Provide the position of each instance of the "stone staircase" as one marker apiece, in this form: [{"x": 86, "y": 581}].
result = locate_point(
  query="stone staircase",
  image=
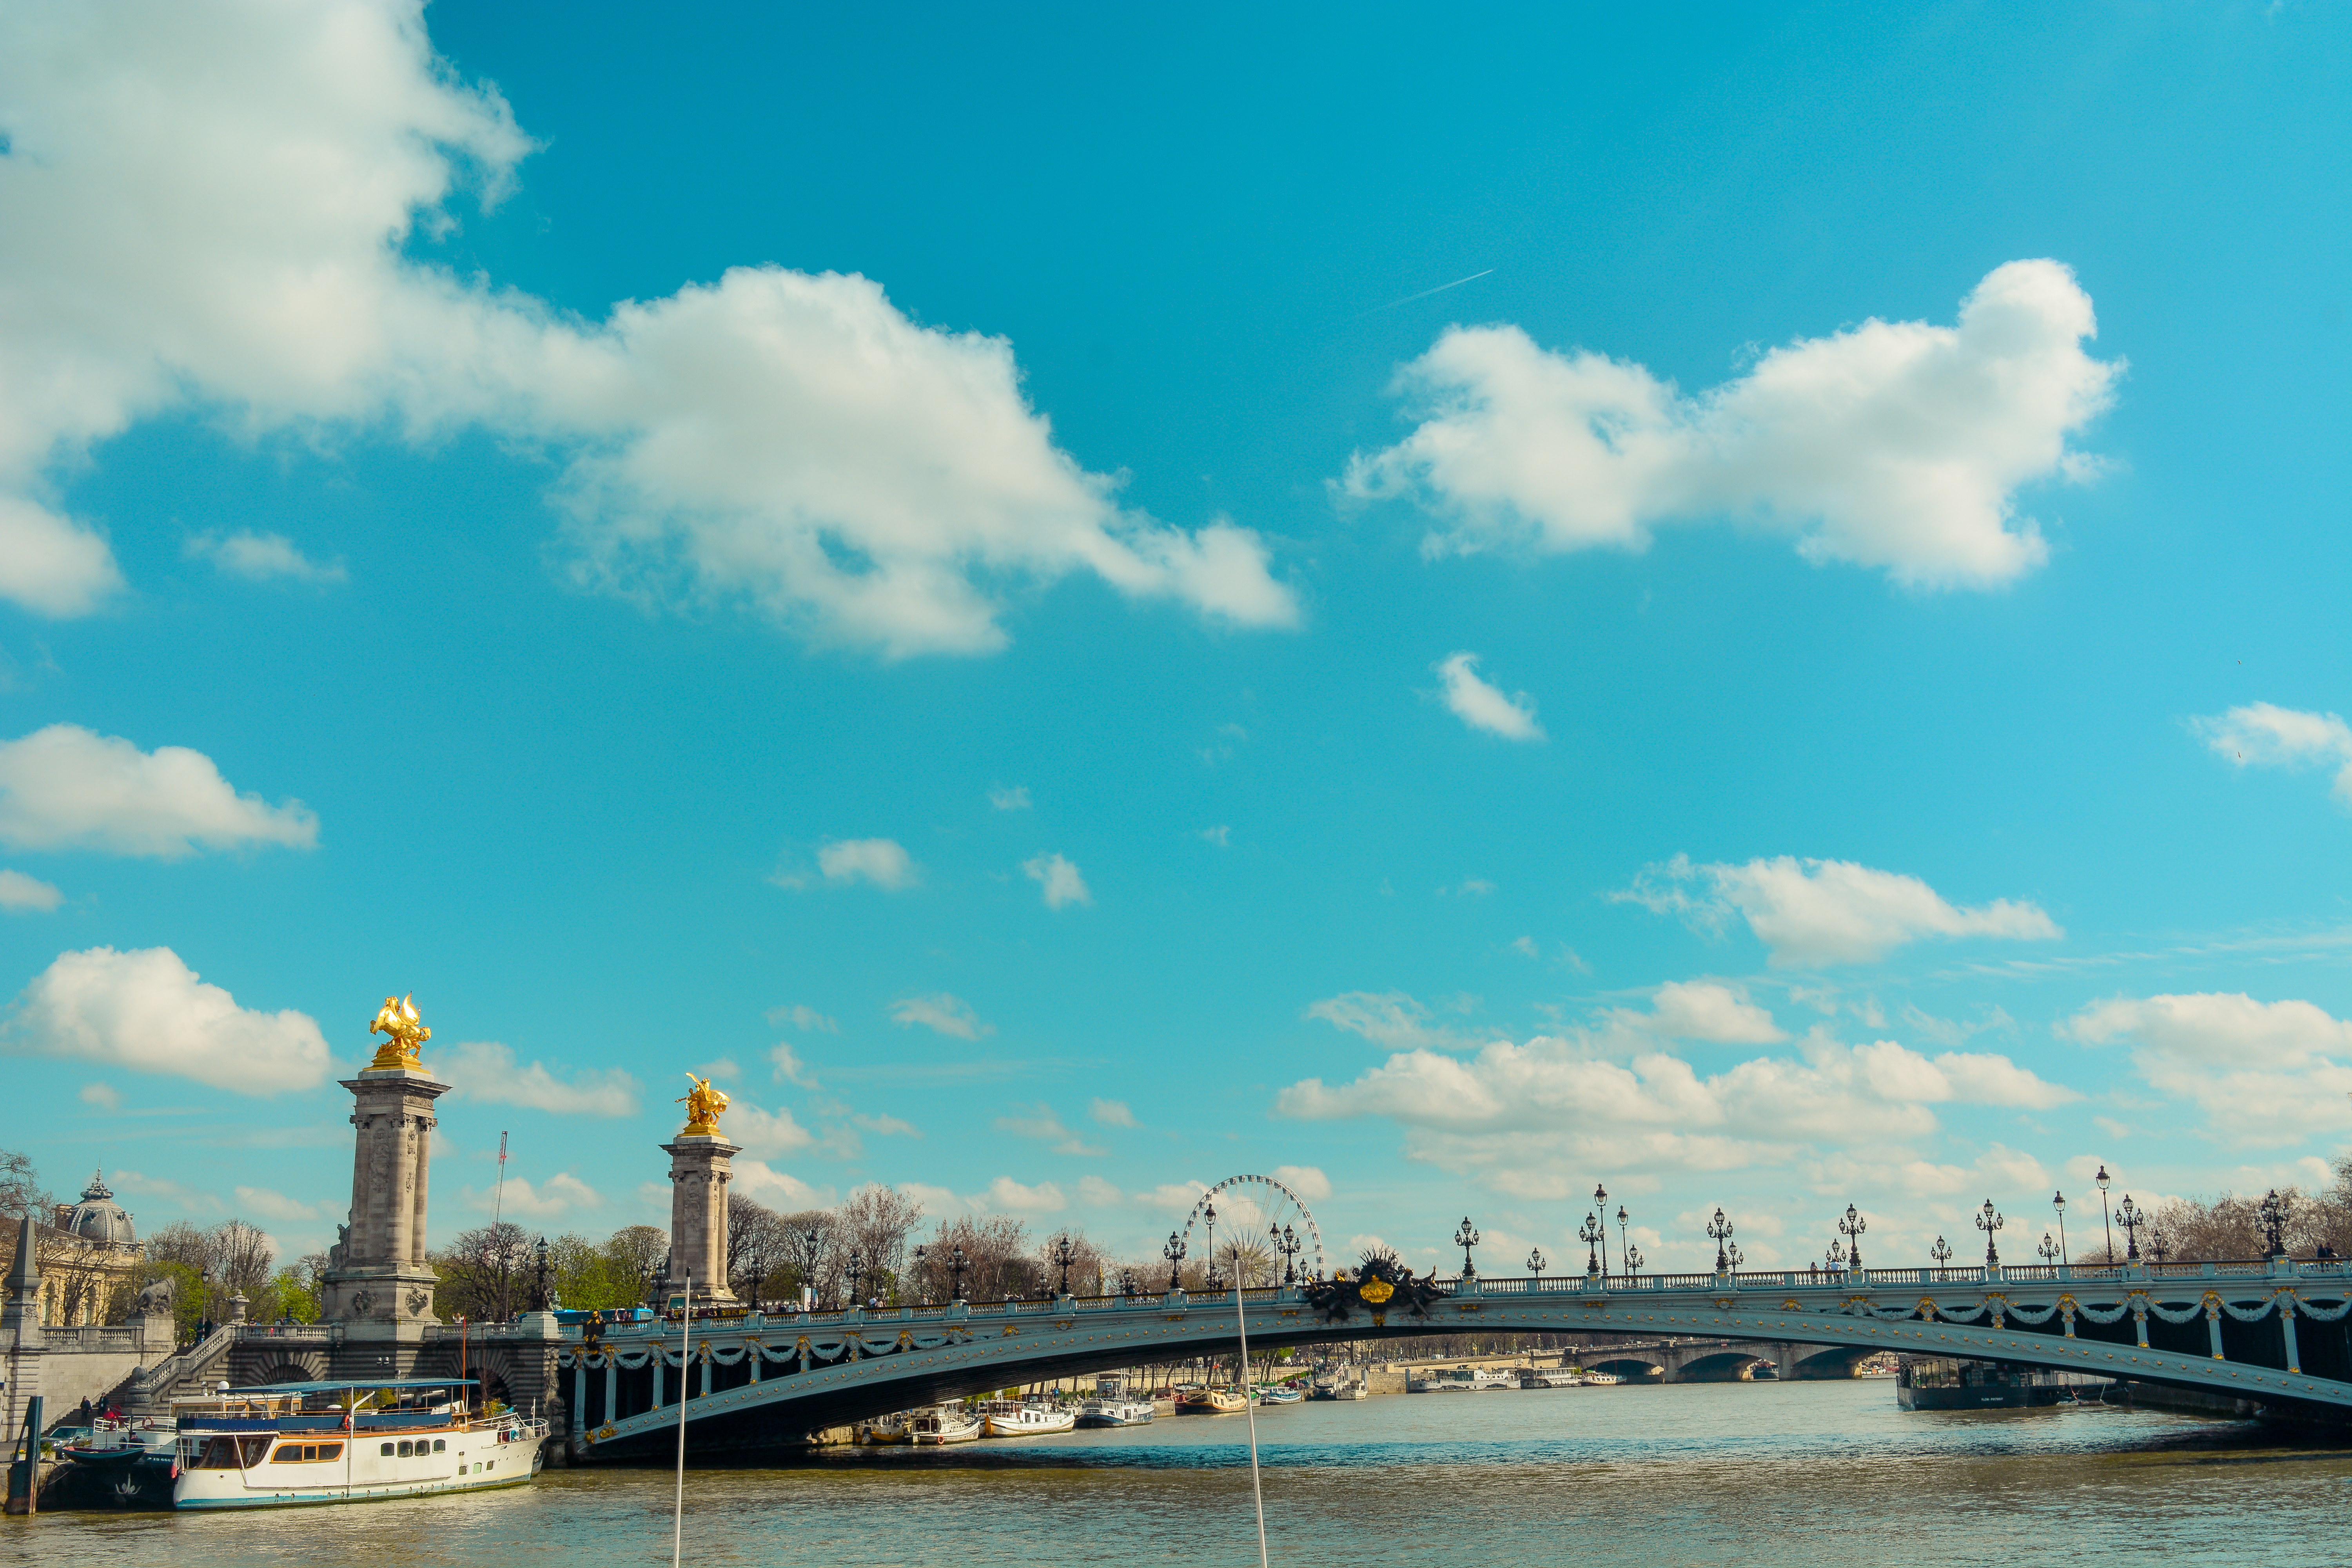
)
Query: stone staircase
[{"x": 151, "y": 1390}]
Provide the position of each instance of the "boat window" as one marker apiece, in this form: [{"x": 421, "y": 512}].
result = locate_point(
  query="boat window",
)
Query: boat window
[
  {"x": 440, "y": 1445},
  {"x": 406, "y": 1447},
  {"x": 286, "y": 1451},
  {"x": 331, "y": 1450},
  {"x": 256, "y": 1450},
  {"x": 385, "y": 1450},
  {"x": 220, "y": 1454}
]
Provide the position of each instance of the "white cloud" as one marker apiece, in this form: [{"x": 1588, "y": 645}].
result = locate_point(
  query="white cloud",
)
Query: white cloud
[
  {"x": 259, "y": 557},
  {"x": 216, "y": 211},
  {"x": 1389, "y": 1018},
  {"x": 1013, "y": 799},
  {"x": 1040, "y": 1122},
  {"x": 1095, "y": 1192},
  {"x": 270, "y": 1203},
  {"x": 1060, "y": 879},
  {"x": 886, "y": 1126},
  {"x": 943, "y": 1014},
  {"x": 20, "y": 893},
  {"x": 557, "y": 1196},
  {"x": 1826, "y": 911},
  {"x": 2255, "y": 1070},
  {"x": 1896, "y": 445},
  {"x": 763, "y": 1134},
  {"x": 1220, "y": 836},
  {"x": 1005, "y": 1193},
  {"x": 881, "y": 861},
  {"x": 1307, "y": 1181},
  {"x": 486, "y": 1071},
  {"x": 1707, "y": 1010},
  {"x": 186, "y": 1197},
  {"x": 1485, "y": 707},
  {"x": 724, "y": 1069},
  {"x": 1525, "y": 946},
  {"x": 781, "y": 1189},
  {"x": 2262, "y": 734},
  {"x": 801, "y": 1017},
  {"x": 145, "y": 1010},
  {"x": 1111, "y": 1113},
  {"x": 789, "y": 1067},
  {"x": 1519, "y": 1110},
  {"x": 63, "y": 787},
  {"x": 102, "y": 1095}
]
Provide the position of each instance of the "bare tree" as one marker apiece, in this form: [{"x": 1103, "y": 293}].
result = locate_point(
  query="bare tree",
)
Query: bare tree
[
  {"x": 755, "y": 1245},
  {"x": 241, "y": 1258},
  {"x": 1091, "y": 1270},
  {"x": 876, "y": 1222},
  {"x": 480, "y": 1271},
  {"x": 21, "y": 1192},
  {"x": 997, "y": 1262},
  {"x": 811, "y": 1251}
]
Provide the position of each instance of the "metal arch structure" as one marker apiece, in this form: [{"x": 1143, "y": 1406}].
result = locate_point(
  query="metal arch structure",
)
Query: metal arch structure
[
  {"x": 1314, "y": 1233},
  {"x": 2245, "y": 1331}
]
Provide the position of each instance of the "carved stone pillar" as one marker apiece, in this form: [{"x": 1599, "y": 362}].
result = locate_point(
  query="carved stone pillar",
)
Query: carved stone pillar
[
  {"x": 377, "y": 1283},
  {"x": 699, "y": 1174}
]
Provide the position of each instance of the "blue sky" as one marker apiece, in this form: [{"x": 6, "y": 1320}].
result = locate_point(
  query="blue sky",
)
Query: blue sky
[{"x": 1744, "y": 605}]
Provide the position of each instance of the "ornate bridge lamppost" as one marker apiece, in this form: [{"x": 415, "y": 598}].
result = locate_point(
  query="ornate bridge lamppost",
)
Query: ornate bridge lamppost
[
  {"x": 1733, "y": 1256},
  {"x": 957, "y": 1264},
  {"x": 1621, "y": 1248},
  {"x": 2274, "y": 1214},
  {"x": 1174, "y": 1253},
  {"x": 856, "y": 1273},
  {"x": 2128, "y": 1216},
  {"x": 1988, "y": 1221},
  {"x": 1286, "y": 1242},
  {"x": 1633, "y": 1260},
  {"x": 2048, "y": 1250},
  {"x": 1851, "y": 1228},
  {"x": 1465, "y": 1238},
  {"x": 1942, "y": 1253},
  {"x": 1209, "y": 1216},
  {"x": 1834, "y": 1259},
  {"x": 2107, "y": 1224},
  {"x": 2159, "y": 1246},
  {"x": 1591, "y": 1232},
  {"x": 2058, "y": 1201},
  {"x": 1127, "y": 1285},
  {"x": 920, "y": 1254},
  {"x": 538, "y": 1286},
  {"x": 1719, "y": 1229},
  {"x": 1536, "y": 1261},
  {"x": 1600, "y": 1207},
  {"x": 1065, "y": 1255}
]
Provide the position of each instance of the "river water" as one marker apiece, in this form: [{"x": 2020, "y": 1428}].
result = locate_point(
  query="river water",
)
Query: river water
[{"x": 1811, "y": 1473}]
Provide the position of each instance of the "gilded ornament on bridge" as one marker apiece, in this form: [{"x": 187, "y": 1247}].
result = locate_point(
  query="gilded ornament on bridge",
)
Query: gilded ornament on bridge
[
  {"x": 404, "y": 1035},
  {"x": 1382, "y": 1283},
  {"x": 1376, "y": 1291},
  {"x": 703, "y": 1104}
]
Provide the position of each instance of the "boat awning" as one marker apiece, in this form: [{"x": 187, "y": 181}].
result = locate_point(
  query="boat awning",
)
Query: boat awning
[{"x": 338, "y": 1386}]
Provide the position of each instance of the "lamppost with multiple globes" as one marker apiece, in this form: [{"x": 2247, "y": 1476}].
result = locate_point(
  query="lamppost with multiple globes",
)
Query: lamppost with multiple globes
[
  {"x": 1851, "y": 1228},
  {"x": 1465, "y": 1238},
  {"x": 1988, "y": 1221},
  {"x": 1600, "y": 1207},
  {"x": 1286, "y": 1242},
  {"x": 1209, "y": 1216},
  {"x": 957, "y": 1264},
  {"x": 1834, "y": 1259},
  {"x": 856, "y": 1273},
  {"x": 2128, "y": 1216},
  {"x": 1733, "y": 1256},
  {"x": 1591, "y": 1232},
  {"x": 1632, "y": 1260},
  {"x": 1536, "y": 1261},
  {"x": 2272, "y": 1210},
  {"x": 1174, "y": 1253},
  {"x": 1719, "y": 1230},
  {"x": 2049, "y": 1248},
  {"x": 1065, "y": 1254},
  {"x": 2159, "y": 1246},
  {"x": 1942, "y": 1253}
]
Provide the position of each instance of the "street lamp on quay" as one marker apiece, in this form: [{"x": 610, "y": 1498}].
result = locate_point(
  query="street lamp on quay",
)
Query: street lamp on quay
[
  {"x": 1719, "y": 1229},
  {"x": 1988, "y": 1221},
  {"x": 1591, "y": 1232},
  {"x": 2058, "y": 1201},
  {"x": 1851, "y": 1228},
  {"x": 1465, "y": 1238},
  {"x": 1600, "y": 1207},
  {"x": 2107, "y": 1224},
  {"x": 2128, "y": 1216}
]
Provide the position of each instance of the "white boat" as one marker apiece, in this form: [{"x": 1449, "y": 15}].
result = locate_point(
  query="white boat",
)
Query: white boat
[
  {"x": 1020, "y": 1418},
  {"x": 1279, "y": 1394},
  {"x": 1549, "y": 1377},
  {"x": 896, "y": 1427},
  {"x": 294, "y": 1444},
  {"x": 1462, "y": 1380},
  {"x": 1110, "y": 1406},
  {"x": 945, "y": 1424},
  {"x": 1602, "y": 1379}
]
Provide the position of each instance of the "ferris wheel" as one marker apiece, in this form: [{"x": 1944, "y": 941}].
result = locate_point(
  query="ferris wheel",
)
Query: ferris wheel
[{"x": 1256, "y": 1230}]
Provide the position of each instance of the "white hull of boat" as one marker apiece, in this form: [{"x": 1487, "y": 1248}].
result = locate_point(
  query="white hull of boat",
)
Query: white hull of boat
[{"x": 469, "y": 1462}]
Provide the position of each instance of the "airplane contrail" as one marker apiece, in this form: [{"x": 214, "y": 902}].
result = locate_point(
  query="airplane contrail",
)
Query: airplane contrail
[{"x": 1424, "y": 294}]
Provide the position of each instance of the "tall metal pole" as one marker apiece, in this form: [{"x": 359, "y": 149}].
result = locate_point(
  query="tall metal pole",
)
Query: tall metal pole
[
  {"x": 684, "y": 1369},
  {"x": 1249, "y": 1403},
  {"x": 497, "y": 1206}
]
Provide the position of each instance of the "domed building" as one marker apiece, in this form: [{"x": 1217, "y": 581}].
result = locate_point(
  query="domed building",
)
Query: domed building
[{"x": 89, "y": 1255}]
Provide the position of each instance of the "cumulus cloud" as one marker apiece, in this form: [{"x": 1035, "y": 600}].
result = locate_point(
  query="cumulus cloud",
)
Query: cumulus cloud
[
  {"x": 1707, "y": 1010},
  {"x": 778, "y": 1189},
  {"x": 1040, "y": 1122},
  {"x": 1111, "y": 1113},
  {"x": 1389, "y": 1018},
  {"x": 1485, "y": 707},
  {"x": 1095, "y": 1192},
  {"x": 1826, "y": 911},
  {"x": 20, "y": 894},
  {"x": 63, "y": 787},
  {"x": 1008, "y": 1194},
  {"x": 271, "y": 1204},
  {"x": 1894, "y": 445},
  {"x": 884, "y": 862},
  {"x": 217, "y": 210},
  {"x": 559, "y": 1194},
  {"x": 2263, "y": 735},
  {"x": 145, "y": 1010},
  {"x": 886, "y": 1126},
  {"x": 105, "y": 1095},
  {"x": 1060, "y": 879},
  {"x": 764, "y": 1134},
  {"x": 486, "y": 1070},
  {"x": 260, "y": 557},
  {"x": 1555, "y": 1095},
  {"x": 2254, "y": 1069},
  {"x": 1013, "y": 799},
  {"x": 943, "y": 1014},
  {"x": 1307, "y": 1181},
  {"x": 789, "y": 1067},
  {"x": 801, "y": 1017}
]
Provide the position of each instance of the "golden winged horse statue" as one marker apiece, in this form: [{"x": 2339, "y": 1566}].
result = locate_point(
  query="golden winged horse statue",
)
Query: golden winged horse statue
[
  {"x": 703, "y": 1104},
  {"x": 404, "y": 1036}
]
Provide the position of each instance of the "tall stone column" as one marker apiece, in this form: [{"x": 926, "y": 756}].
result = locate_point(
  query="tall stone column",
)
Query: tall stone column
[
  {"x": 377, "y": 1283},
  {"x": 22, "y": 1342},
  {"x": 698, "y": 1173}
]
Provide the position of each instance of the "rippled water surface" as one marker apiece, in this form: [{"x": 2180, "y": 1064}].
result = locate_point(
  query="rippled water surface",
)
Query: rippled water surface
[{"x": 1825, "y": 1474}]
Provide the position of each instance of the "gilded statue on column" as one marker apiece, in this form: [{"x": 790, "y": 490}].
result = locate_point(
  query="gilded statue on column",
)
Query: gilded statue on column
[
  {"x": 703, "y": 1104},
  {"x": 404, "y": 1036}
]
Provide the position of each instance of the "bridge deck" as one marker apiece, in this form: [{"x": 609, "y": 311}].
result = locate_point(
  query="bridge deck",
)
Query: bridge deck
[{"x": 2272, "y": 1330}]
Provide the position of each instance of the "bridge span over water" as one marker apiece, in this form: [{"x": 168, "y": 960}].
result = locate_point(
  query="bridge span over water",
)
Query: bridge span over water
[{"x": 2273, "y": 1331}]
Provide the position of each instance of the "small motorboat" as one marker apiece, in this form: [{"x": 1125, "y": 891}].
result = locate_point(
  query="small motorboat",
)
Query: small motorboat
[
  {"x": 1212, "y": 1402},
  {"x": 1280, "y": 1394},
  {"x": 1549, "y": 1377},
  {"x": 944, "y": 1424},
  {"x": 1111, "y": 1407},
  {"x": 883, "y": 1430},
  {"x": 1602, "y": 1379},
  {"x": 1023, "y": 1418},
  {"x": 1462, "y": 1380}
]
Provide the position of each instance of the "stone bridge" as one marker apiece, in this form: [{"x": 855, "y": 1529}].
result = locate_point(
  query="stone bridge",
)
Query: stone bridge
[
  {"x": 2271, "y": 1330},
  {"x": 1720, "y": 1361}
]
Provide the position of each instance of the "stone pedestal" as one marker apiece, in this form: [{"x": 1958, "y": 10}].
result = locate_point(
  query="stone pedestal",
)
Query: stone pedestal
[
  {"x": 377, "y": 1282},
  {"x": 698, "y": 1173},
  {"x": 22, "y": 1342}
]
